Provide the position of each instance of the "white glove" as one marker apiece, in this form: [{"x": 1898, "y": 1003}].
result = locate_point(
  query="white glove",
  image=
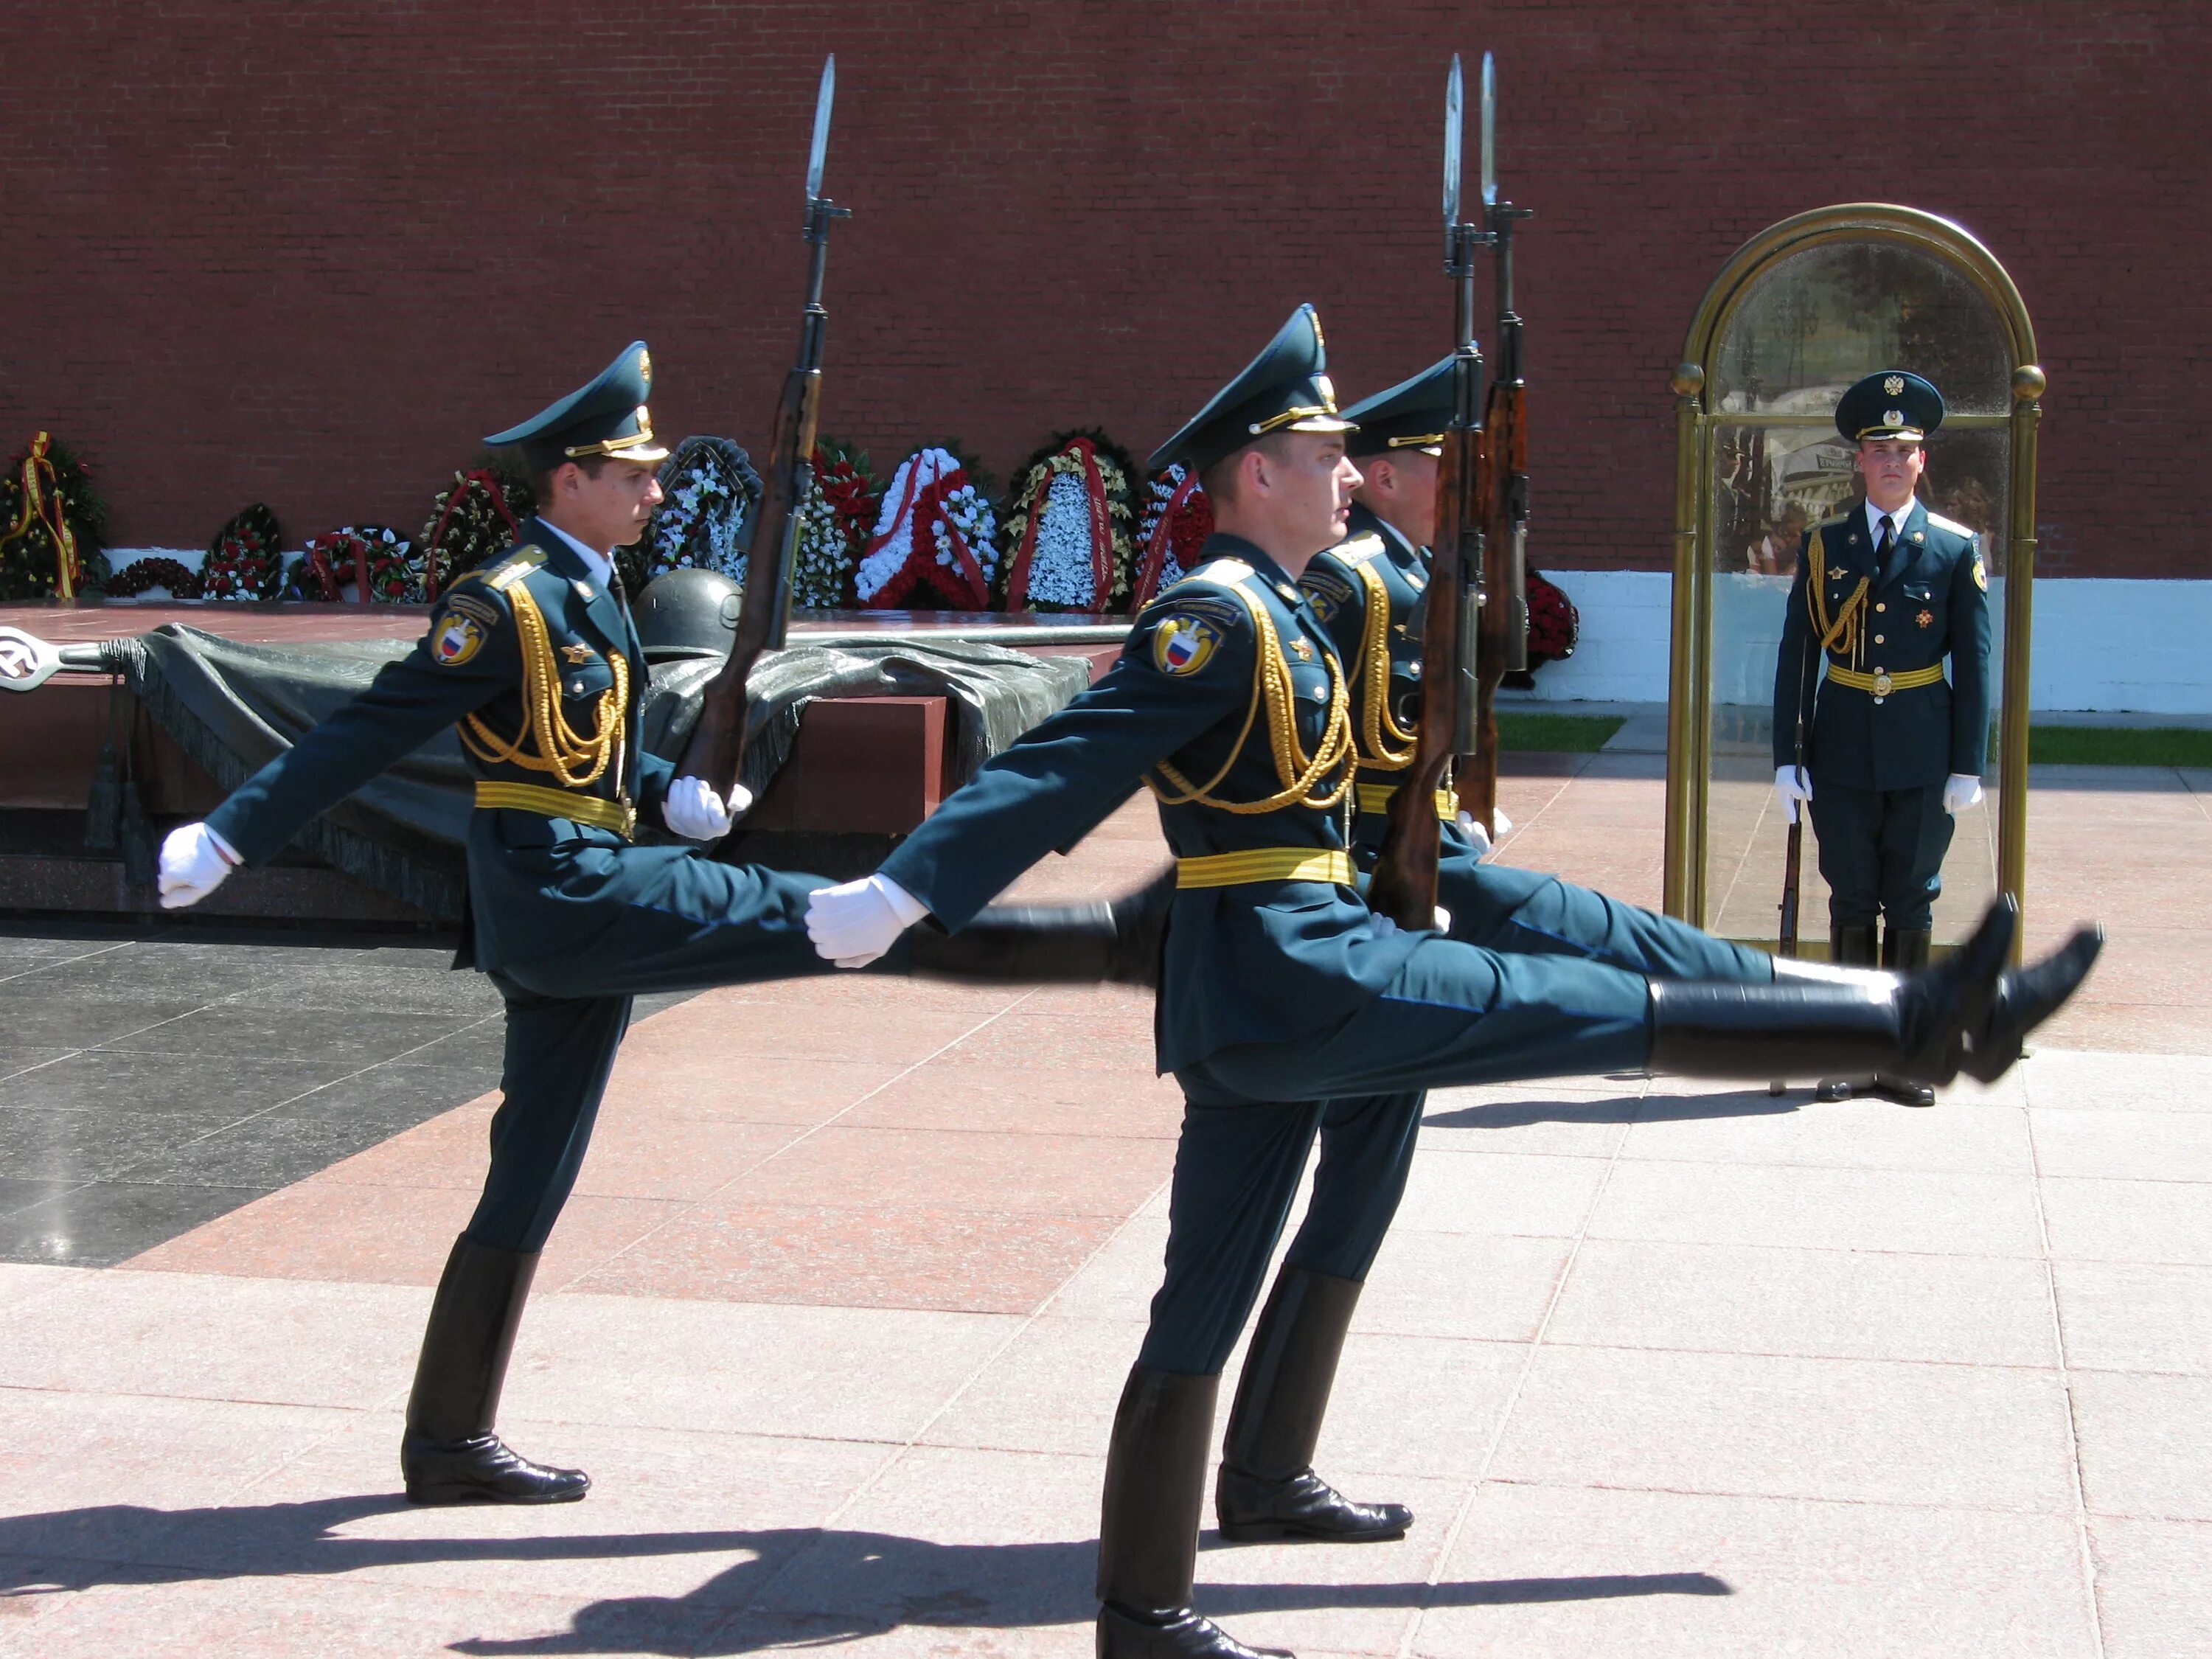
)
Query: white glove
[
  {"x": 1960, "y": 791},
  {"x": 194, "y": 861},
  {"x": 854, "y": 923},
  {"x": 695, "y": 812},
  {"x": 1792, "y": 784},
  {"x": 1443, "y": 919},
  {"x": 1471, "y": 827}
]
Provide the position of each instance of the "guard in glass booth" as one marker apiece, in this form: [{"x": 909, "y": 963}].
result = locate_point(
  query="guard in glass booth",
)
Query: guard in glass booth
[{"x": 1888, "y": 750}]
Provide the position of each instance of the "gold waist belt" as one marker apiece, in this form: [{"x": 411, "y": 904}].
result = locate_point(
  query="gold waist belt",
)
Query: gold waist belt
[
  {"x": 1375, "y": 797},
  {"x": 560, "y": 803},
  {"x": 1257, "y": 864},
  {"x": 1881, "y": 682}
]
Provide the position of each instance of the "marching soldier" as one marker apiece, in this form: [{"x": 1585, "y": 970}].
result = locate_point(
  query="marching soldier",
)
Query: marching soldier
[
  {"x": 1891, "y": 750},
  {"x": 533, "y": 659},
  {"x": 1284, "y": 997}
]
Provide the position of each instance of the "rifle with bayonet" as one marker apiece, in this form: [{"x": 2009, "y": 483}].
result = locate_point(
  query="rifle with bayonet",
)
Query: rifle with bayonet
[
  {"x": 1505, "y": 524},
  {"x": 1404, "y": 887},
  {"x": 716, "y": 750}
]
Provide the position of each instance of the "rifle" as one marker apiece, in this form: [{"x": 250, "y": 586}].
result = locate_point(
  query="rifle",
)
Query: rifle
[
  {"x": 716, "y": 750},
  {"x": 1506, "y": 561},
  {"x": 1793, "y": 855},
  {"x": 1404, "y": 886}
]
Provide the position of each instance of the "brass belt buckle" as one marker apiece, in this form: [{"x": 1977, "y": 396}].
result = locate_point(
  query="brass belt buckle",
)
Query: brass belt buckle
[{"x": 1883, "y": 682}]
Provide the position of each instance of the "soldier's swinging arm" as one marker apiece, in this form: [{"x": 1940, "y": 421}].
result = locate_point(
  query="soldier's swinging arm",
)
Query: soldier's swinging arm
[{"x": 717, "y": 746}]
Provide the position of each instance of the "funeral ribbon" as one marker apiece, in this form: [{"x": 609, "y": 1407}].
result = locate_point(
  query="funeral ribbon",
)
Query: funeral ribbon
[
  {"x": 1078, "y": 456},
  {"x": 43, "y": 505},
  {"x": 1156, "y": 550}
]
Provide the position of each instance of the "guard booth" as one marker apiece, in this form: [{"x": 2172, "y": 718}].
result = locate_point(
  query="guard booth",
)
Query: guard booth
[{"x": 1799, "y": 312}]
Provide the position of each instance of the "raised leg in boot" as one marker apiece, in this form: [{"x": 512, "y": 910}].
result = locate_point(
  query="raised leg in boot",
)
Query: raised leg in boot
[
  {"x": 1117, "y": 942},
  {"x": 1849, "y": 946},
  {"x": 1148, "y": 1524},
  {"x": 449, "y": 1454},
  {"x": 1267, "y": 1488},
  {"x": 1903, "y": 951}
]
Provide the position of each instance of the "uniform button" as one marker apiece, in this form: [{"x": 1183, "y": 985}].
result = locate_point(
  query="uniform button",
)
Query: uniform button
[
  {"x": 1881, "y": 607},
  {"x": 1877, "y": 639}
]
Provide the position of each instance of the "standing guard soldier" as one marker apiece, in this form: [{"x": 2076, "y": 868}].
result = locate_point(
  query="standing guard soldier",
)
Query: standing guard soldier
[
  {"x": 1284, "y": 998},
  {"x": 1890, "y": 750},
  {"x": 534, "y": 660}
]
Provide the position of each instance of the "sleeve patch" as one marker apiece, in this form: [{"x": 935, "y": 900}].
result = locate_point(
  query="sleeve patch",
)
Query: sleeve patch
[
  {"x": 469, "y": 605},
  {"x": 1183, "y": 642},
  {"x": 457, "y": 639},
  {"x": 1327, "y": 590},
  {"x": 1981, "y": 574}
]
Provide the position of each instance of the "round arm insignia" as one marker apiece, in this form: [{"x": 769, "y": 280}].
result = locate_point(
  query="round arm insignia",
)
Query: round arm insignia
[
  {"x": 1981, "y": 575},
  {"x": 1183, "y": 644},
  {"x": 458, "y": 639}
]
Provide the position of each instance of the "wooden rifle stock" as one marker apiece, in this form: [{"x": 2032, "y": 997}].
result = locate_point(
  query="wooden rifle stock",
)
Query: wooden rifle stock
[
  {"x": 1505, "y": 517},
  {"x": 1793, "y": 859},
  {"x": 716, "y": 750}
]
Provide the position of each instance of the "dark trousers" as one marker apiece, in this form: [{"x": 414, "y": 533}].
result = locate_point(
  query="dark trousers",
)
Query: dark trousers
[
  {"x": 1881, "y": 852},
  {"x": 1559, "y": 984},
  {"x": 684, "y": 924}
]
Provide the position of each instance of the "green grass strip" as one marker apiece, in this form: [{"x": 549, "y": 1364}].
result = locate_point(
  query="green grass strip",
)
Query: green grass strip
[
  {"x": 2118, "y": 746},
  {"x": 1555, "y": 734}
]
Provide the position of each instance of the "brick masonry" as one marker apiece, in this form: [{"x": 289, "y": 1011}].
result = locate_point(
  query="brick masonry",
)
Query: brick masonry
[{"x": 306, "y": 253}]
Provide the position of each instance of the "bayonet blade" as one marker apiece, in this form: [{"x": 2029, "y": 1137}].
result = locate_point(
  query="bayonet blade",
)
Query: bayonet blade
[
  {"x": 1452, "y": 145},
  {"x": 1489, "y": 131},
  {"x": 823, "y": 101}
]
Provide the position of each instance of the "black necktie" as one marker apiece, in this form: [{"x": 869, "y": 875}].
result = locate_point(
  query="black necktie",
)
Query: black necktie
[{"x": 1882, "y": 553}]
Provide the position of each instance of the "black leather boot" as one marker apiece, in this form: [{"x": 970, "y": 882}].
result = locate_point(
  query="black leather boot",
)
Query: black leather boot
[
  {"x": 1903, "y": 951},
  {"x": 1848, "y": 947},
  {"x": 1148, "y": 1524},
  {"x": 449, "y": 1454},
  {"x": 1267, "y": 1488},
  {"x": 1117, "y": 942},
  {"x": 2025, "y": 998}
]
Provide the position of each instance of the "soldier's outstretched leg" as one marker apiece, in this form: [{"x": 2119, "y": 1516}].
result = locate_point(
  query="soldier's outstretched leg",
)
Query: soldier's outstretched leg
[
  {"x": 1850, "y": 945},
  {"x": 559, "y": 1053},
  {"x": 1267, "y": 1487},
  {"x": 1501, "y": 907},
  {"x": 1116, "y": 942}
]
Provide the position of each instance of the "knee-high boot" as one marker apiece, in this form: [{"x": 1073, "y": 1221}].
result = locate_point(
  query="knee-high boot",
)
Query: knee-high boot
[
  {"x": 449, "y": 1454},
  {"x": 1267, "y": 1487},
  {"x": 1148, "y": 1524},
  {"x": 1966, "y": 1013},
  {"x": 1903, "y": 951},
  {"x": 1117, "y": 941},
  {"x": 1848, "y": 947}
]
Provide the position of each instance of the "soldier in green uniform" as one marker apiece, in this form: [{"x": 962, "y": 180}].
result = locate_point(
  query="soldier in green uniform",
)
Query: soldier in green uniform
[
  {"x": 1892, "y": 749},
  {"x": 1282, "y": 996},
  {"x": 533, "y": 659}
]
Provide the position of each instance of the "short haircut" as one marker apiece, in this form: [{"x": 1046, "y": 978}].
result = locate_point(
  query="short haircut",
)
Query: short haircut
[
  {"x": 1218, "y": 480},
  {"x": 541, "y": 483}
]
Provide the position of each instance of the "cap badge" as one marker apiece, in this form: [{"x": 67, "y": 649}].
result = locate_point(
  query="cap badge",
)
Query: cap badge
[
  {"x": 1893, "y": 386},
  {"x": 1893, "y": 417},
  {"x": 1327, "y": 388},
  {"x": 645, "y": 370}
]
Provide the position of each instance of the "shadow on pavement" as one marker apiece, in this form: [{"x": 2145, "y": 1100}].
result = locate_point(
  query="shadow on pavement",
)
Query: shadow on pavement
[
  {"x": 1626, "y": 1108},
  {"x": 880, "y": 1581}
]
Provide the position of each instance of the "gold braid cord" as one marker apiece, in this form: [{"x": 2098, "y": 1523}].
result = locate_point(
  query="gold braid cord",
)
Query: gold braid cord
[
  {"x": 1846, "y": 632},
  {"x": 547, "y": 743},
  {"x": 1299, "y": 775},
  {"x": 1378, "y": 731}
]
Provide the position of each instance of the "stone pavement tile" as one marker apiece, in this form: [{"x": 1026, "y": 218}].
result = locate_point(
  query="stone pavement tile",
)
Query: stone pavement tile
[
  {"x": 919, "y": 1256},
  {"x": 727, "y": 1368},
  {"x": 700, "y": 1518},
  {"x": 263, "y": 1152},
  {"x": 734, "y": 1007},
  {"x": 1867, "y": 1134},
  {"x": 652, "y": 1155},
  {"x": 38, "y": 1144},
  {"x": 1844, "y": 1304},
  {"x": 1480, "y": 1286},
  {"x": 2073, "y": 1080},
  {"x": 1003, "y": 1541},
  {"x": 2128, "y": 1316},
  {"x": 330, "y": 1230},
  {"x": 1416, "y": 1406},
  {"x": 1318, "y": 1600},
  {"x": 232, "y": 1085},
  {"x": 215, "y": 1338},
  {"x": 28, "y": 953},
  {"x": 1053, "y": 1388},
  {"x": 934, "y": 1636},
  {"x": 341, "y": 1619},
  {"x": 16, "y": 1061},
  {"x": 1056, "y": 1175},
  {"x": 2154, "y": 1585},
  {"x": 2118, "y": 1144},
  {"x": 34, "y": 1019},
  {"x": 19, "y": 1193},
  {"x": 1544, "y": 1117},
  {"x": 698, "y": 1083},
  {"x": 1117, "y": 1283},
  {"x": 1022, "y": 1042},
  {"x": 2168, "y": 1221},
  {"x": 1454, "y": 1192},
  {"x": 22, "y": 1283},
  {"x": 144, "y": 969},
  {"x": 470, "y": 1049},
  {"x": 451, "y": 1150},
  {"x": 2146, "y": 1445},
  {"x": 1546, "y": 1570},
  {"x": 394, "y": 1095},
  {"x": 939, "y": 1096},
  {"x": 107, "y": 1222},
  {"x": 1810, "y": 1208},
  {"x": 830, "y": 1031},
  {"x": 340, "y": 1039},
  {"x": 1852, "y": 1430}
]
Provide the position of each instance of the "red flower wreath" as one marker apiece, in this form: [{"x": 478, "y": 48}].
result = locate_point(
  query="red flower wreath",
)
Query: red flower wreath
[{"x": 1177, "y": 521}]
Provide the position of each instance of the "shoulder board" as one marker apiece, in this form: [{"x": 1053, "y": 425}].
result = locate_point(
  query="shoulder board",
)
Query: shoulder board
[
  {"x": 1217, "y": 570},
  {"x": 1358, "y": 550},
  {"x": 1951, "y": 525},
  {"x": 1830, "y": 524},
  {"x": 514, "y": 568}
]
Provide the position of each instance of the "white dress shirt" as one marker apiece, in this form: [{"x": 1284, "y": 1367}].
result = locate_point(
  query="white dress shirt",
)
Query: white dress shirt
[{"x": 1875, "y": 516}]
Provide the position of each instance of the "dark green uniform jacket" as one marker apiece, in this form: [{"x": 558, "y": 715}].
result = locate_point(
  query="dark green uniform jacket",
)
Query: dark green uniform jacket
[
  {"x": 1931, "y": 603},
  {"x": 531, "y": 639},
  {"x": 1189, "y": 708}
]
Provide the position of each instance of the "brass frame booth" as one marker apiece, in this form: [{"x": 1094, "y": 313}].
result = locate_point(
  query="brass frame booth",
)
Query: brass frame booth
[{"x": 1799, "y": 311}]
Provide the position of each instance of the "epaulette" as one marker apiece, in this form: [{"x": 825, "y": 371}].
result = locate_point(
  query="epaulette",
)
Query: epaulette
[
  {"x": 1830, "y": 524},
  {"x": 1357, "y": 550},
  {"x": 1218, "y": 570},
  {"x": 514, "y": 568},
  {"x": 1952, "y": 525}
]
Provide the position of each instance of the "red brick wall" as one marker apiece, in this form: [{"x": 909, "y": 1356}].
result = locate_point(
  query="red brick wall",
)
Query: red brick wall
[{"x": 308, "y": 252}]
